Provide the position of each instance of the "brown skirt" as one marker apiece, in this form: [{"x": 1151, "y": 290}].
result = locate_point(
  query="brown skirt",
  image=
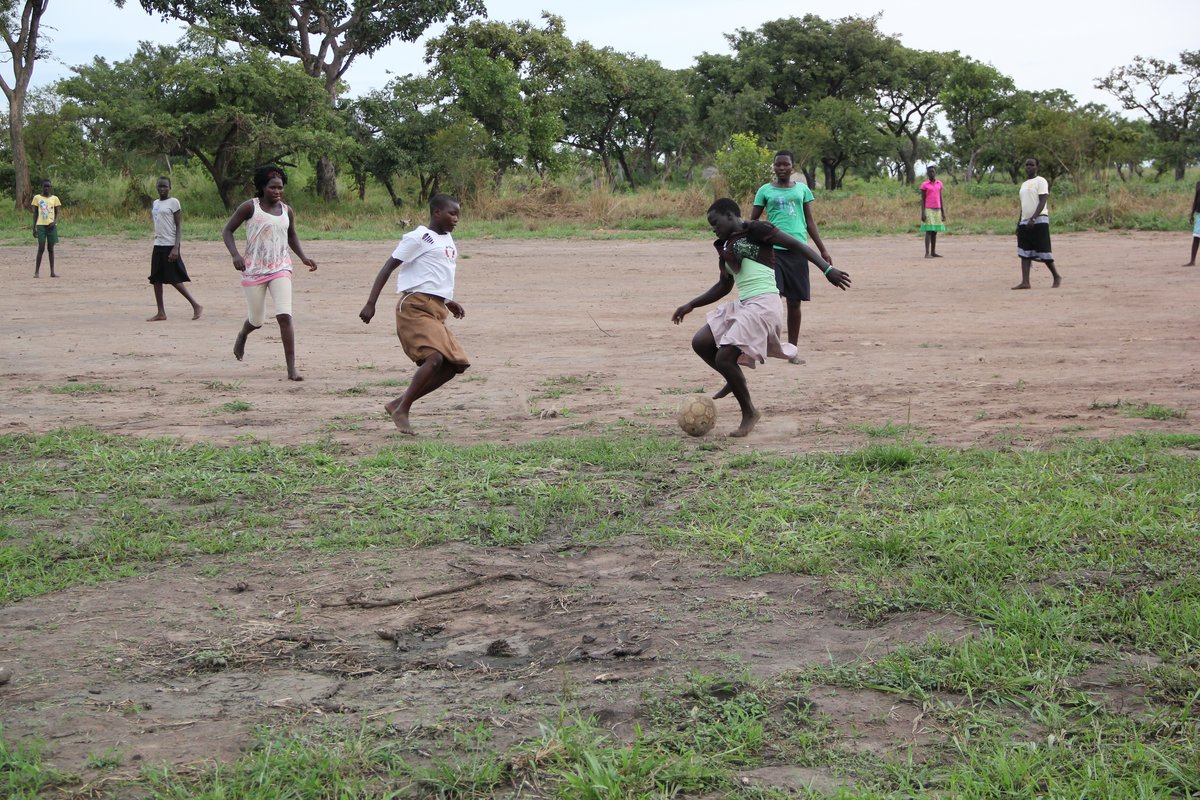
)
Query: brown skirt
[{"x": 421, "y": 326}]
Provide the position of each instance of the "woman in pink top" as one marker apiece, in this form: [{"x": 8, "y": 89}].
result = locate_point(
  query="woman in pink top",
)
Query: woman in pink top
[
  {"x": 267, "y": 265},
  {"x": 933, "y": 212}
]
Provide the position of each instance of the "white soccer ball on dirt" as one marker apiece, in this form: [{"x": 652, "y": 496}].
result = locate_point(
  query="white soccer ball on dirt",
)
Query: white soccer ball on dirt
[{"x": 697, "y": 414}]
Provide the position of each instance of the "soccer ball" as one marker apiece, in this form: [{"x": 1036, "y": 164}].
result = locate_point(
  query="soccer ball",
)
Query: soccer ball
[{"x": 697, "y": 414}]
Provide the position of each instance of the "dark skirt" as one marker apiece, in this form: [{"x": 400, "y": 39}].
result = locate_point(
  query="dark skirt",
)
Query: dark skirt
[
  {"x": 1033, "y": 241},
  {"x": 163, "y": 270},
  {"x": 791, "y": 275}
]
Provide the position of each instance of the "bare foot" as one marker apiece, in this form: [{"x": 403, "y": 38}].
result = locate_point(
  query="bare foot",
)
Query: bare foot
[
  {"x": 748, "y": 423},
  {"x": 295, "y": 376},
  {"x": 159, "y": 317},
  {"x": 928, "y": 256},
  {"x": 400, "y": 420},
  {"x": 1188, "y": 264},
  {"x": 1021, "y": 286},
  {"x": 239, "y": 346},
  {"x": 935, "y": 255},
  {"x": 53, "y": 274},
  {"x": 796, "y": 360},
  {"x": 1057, "y": 282},
  {"x": 197, "y": 311},
  {"x": 722, "y": 392}
]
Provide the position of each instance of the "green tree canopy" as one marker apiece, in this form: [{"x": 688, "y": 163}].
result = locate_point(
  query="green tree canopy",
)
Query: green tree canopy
[
  {"x": 230, "y": 110},
  {"x": 325, "y": 36},
  {"x": 1168, "y": 94}
]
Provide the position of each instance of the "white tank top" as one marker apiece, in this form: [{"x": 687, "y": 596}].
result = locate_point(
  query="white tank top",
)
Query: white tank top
[{"x": 266, "y": 244}]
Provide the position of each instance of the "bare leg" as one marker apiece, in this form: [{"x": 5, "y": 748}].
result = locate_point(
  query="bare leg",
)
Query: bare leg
[
  {"x": 239, "y": 344},
  {"x": 196, "y": 307},
  {"x": 725, "y": 361},
  {"x": 287, "y": 333},
  {"x": 50, "y": 255},
  {"x": 1024, "y": 284},
  {"x": 928, "y": 234},
  {"x": 1054, "y": 272},
  {"x": 1195, "y": 247},
  {"x": 158, "y": 300},
  {"x": 37, "y": 265},
  {"x": 435, "y": 372},
  {"x": 793, "y": 327},
  {"x": 933, "y": 253}
]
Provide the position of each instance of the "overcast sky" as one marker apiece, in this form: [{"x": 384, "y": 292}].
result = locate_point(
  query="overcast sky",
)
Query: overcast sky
[{"x": 1054, "y": 44}]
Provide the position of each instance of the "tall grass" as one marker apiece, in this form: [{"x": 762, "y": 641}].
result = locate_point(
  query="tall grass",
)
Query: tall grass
[{"x": 528, "y": 207}]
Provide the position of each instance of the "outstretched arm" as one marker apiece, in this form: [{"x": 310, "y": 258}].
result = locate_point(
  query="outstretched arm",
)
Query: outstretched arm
[
  {"x": 714, "y": 293},
  {"x": 834, "y": 275},
  {"x": 813, "y": 234},
  {"x": 294, "y": 242},
  {"x": 381, "y": 279}
]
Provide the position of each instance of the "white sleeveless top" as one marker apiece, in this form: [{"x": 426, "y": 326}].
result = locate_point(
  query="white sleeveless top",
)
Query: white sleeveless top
[{"x": 267, "y": 252}]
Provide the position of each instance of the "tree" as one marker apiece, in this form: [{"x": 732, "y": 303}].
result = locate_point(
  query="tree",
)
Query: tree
[
  {"x": 20, "y": 31},
  {"x": 326, "y": 36},
  {"x": 1169, "y": 95},
  {"x": 228, "y": 110},
  {"x": 975, "y": 99},
  {"x": 745, "y": 165},
  {"x": 794, "y": 63},
  {"x": 506, "y": 78},
  {"x": 838, "y": 134},
  {"x": 397, "y": 128},
  {"x": 908, "y": 96}
]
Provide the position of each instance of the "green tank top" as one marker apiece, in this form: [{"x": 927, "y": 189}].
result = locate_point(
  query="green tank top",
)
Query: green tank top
[{"x": 753, "y": 279}]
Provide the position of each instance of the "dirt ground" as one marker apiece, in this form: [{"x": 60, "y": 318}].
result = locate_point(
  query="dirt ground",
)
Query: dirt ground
[{"x": 566, "y": 338}]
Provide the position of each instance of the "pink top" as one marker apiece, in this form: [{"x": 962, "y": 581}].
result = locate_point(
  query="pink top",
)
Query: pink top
[{"x": 933, "y": 193}]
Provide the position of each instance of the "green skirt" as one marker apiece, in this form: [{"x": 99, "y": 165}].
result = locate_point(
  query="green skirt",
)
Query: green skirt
[{"x": 933, "y": 220}]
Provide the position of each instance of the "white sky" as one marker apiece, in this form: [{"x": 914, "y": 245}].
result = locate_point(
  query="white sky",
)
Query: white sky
[{"x": 1063, "y": 44}]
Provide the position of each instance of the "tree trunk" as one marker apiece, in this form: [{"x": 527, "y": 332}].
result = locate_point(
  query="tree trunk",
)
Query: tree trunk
[
  {"x": 326, "y": 179},
  {"x": 22, "y": 190},
  {"x": 22, "y": 47},
  {"x": 1180, "y": 169}
]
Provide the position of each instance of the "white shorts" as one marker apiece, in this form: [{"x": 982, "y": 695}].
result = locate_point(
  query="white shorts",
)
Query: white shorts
[{"x": 256, "y": 299}]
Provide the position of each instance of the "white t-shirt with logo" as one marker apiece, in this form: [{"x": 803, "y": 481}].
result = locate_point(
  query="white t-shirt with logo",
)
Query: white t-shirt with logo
[{"x": 428, "y": 260}]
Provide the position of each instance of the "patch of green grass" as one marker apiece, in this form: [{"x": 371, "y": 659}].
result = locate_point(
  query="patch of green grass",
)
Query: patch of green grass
[
  {"x": 1152, "y": 411},
  {"x": 81, "y": 388},
  {"x": 24, "y": 775},
  {"x": 1055, "y": 561},
  {"x": 232, "y": 407},
  {"x": 1140, "y": 410}
]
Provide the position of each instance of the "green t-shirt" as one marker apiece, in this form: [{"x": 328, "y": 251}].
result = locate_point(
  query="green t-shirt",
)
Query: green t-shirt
[{"x": 785, "y": 208}]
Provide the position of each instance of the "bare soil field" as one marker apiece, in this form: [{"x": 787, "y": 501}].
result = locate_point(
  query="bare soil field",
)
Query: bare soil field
[
  {"x": 575, "y": 336},
  {"x": 567, "y": 338}
]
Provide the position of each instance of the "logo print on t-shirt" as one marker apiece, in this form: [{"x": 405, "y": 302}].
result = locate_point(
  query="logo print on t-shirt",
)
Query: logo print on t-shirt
[{"x": 451, "y": 253}]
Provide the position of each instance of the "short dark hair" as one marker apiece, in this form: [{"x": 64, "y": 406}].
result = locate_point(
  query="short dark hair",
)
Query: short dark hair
[
  {"x": 726, "y": 205},
  {"x": 1035, "y": 160},
  {"x": 791, "y": 156},
  {"x": 263, "y": 175},
  {"x": 440, "y": 201},
  {"x": 162, "y": 178}
]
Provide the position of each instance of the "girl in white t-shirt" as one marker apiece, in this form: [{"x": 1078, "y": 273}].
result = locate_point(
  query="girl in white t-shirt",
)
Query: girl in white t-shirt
[
  {"x": 426, "y": 258},
  {"x": 166, "y": 264}
]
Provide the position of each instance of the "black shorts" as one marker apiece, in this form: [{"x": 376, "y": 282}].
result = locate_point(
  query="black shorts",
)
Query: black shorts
[
  {"x": 164, "y": 271},
  {"x": 791, "y": 275}
]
